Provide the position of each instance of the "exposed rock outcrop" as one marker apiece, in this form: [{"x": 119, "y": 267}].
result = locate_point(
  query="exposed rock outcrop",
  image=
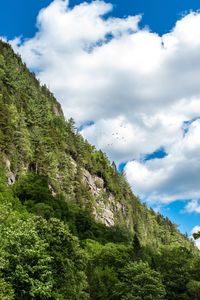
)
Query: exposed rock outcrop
[
  {"x": 11, "y": 177},
  {"x": 56, "y": 111},
  {"x": 106, "y": 205}
]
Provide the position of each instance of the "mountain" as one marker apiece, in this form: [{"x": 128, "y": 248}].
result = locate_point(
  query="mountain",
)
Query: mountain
[
  {"x": 36, "y": 138},
  {"x": 70, "y": 222}
]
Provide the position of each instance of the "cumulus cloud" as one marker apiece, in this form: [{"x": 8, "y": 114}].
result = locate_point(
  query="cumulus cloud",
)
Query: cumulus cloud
[
  {"x": 137, "y": 87},
  {"x": 174, "y": 177},
  {"x": 193, "y": 206},
  {"x": 195, "y": 230}
]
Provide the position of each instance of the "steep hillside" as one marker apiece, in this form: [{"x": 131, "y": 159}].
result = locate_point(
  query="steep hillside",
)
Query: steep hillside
[
  {"x": 70, "y": 226},
  {"x": 34, "y": 137}
]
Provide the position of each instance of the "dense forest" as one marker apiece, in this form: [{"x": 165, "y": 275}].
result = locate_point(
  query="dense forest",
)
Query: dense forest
[{"x": 71, "y": 228}]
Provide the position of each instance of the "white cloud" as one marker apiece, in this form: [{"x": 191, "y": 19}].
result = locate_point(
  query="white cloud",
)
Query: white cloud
[
  {"x": 195, "y": 230},
  {"x": 176, "y": 176},
  {"x": 137, "y": 87},
  {"x": 193, "y": 206}
]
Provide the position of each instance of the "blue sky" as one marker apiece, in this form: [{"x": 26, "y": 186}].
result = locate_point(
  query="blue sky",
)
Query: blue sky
[
  {"x": 19, "y": 17},
  {"x": 135, "y": 95}
]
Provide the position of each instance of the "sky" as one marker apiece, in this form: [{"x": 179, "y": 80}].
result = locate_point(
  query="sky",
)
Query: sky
[{"x": 128, "y": 72}]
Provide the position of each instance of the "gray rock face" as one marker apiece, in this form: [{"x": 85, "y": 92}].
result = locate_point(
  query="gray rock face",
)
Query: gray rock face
[
  {"x": 11, "y": 177},
  {"x": 106, "y": 206},
  {"x": 56, "y": 112},
  {"x": 8, "y": 164},
  {"x": 95, "y": 183}
]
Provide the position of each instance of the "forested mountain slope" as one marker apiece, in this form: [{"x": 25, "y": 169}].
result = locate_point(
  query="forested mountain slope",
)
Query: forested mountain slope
[
  {"x": 36, "y": 138},
  {"x": 71, "y": 226}
]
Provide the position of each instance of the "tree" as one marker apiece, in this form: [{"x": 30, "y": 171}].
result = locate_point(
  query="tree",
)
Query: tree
[
  {"x": 32, "y": 187},
  {"x": 69, "y": 261},
  {"x": 137, "y": 249},
  {"x": 139, "y": 282},
  {"x": 6, "y": 125},
  {"x": 102, "y": 283},
  {"x": 174, "y": 266},
  {"x": 6, "y": 290},
  {"x": 103, "y": 268},
  {"x": 26, "y": 263},
  {"x": 194, "y": 289},
  {"x": 2, "y": 66},
  {"x": 196, "y": 235}
]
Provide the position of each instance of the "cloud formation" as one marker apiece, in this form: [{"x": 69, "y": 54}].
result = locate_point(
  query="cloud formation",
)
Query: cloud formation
[
  {"x": 174, "y": 177},
  {"x": 195, "y": 230},
  {"x": 141, "y": 90},
  {"x": 193, "y": 206}
]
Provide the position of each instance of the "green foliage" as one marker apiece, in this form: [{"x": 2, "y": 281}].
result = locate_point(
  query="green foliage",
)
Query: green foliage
[
  {"x": 112, "y": 255},
  {"x": 196, "y": 235},
  {"x": 6, "y": 290},
  {"x": 39, "y": 259},
  {"x": 174, "y": 265},
  {"x": 102, "y": 283},
  {"x": 6, "y": 125},
  {"x": 105, "y": 262},
  {"x": 138, "y": 281},
  {"x": 69, "y": 261},
  {"x": 194, "y": 289},
  {"x": 137, "y": 249},
  {"x": 26, "y": 262},
  {"x": 32, "y": 190},
  {"x": 8, "y": 201}
]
